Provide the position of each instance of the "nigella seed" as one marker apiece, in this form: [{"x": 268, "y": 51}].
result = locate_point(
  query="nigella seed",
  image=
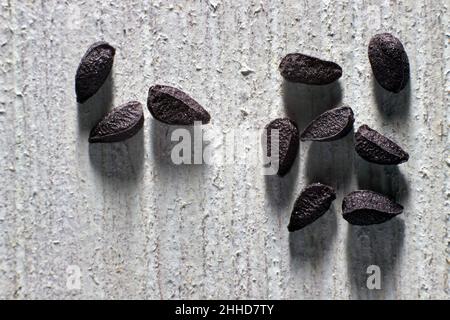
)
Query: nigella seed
[
  {"x": 288, "y": 143},
  {"x": 93, "y": 70},
  {"x": 297, "y": 67},
  {"x": 311, "y": 204},
  {"x": 330, "y": 125},
  {"x": 365, "y": 207},
  {"x": 374, "y": 147},
  {"x": 172, "y": 106},
  {"x": 389, "y": 61},
  {"x": 120, "y": 124}
]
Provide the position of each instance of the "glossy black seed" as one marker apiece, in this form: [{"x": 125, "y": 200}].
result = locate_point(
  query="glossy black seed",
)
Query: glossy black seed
[
  {"x": 172, "y": 106},
  {"x": 374, "y": 147},
  {"x": 365, "y": 207},
  {"x": 288, "y": 137},
  {"x": 297, "y": 67},
  {"x": 120, "y": 124},
  {"x": 93, "y": 70},
  {"x": 330, "y": 125},
  {"x": 311, "y": 204},
  {"x": 389, "y": 62}
]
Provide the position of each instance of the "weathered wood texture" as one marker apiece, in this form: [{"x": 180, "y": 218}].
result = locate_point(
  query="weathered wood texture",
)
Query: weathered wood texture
[{"x": 138, "y": 226}]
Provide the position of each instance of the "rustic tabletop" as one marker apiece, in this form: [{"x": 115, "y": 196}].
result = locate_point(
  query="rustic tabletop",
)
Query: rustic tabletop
[{"x": 122, "y": 221}]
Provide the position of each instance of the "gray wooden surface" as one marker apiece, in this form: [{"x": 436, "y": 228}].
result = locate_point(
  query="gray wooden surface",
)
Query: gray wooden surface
[{"x": 136, "y": 226}]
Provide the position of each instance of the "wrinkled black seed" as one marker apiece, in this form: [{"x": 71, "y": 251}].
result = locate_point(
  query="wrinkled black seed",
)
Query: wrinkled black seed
[
  {"x": 173, "y": 106},
  {"x": 93, "y": 70},
  {"x": 120, "y": 124},
  {"x": 374, "y": 147},
  {"x": 288, "y": 136},
  {"x": 297, "y": 67},
  {"x": 389, "y": 62},
  {"x": 330, "y": 125},
  {"x": 365, "y": 207},
  {"x": 314, "y": 200}
]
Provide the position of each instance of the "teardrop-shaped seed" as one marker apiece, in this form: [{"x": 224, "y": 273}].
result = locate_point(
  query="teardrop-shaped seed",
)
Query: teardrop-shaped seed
[
  {"x": 311, "y": 204},
  {"x": 93, "y": 70},
  {"x": 172, "y": 106},
  {"x": 389, "y": 61},
  {"x": 330, "y": 125},
  {"x": 288, "y": 143},
  {"x": 374, "y": 147},
  {"x": 120, "y": 124},
  {"x": 365, "y": 207},
  {"x": 297, "y": 67}
]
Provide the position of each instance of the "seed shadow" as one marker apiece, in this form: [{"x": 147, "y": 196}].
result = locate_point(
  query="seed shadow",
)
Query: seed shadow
[
  {"x": 387, "y": 180},
  {"x": 96, "y": 107},
  {"x": 331, "y": 162},
  {"x": 119, "y": 170},
  {"x": 378, "y": 245},
  {"x": 303, "y": 102},
  {"x": 392, "y": 105},
  {"x": 119, "y": 161},
  {"x": 311, "y": 244},
  {"x": 381, "y": 244},
  {"x": 279, "y": 190}
]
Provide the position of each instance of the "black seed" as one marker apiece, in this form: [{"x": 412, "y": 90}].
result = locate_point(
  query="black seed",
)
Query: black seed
[
  {"x": 120, "y": 124},
  {"x": 297, "y": 67},
  {"x": 374, "y": 147},
  {"x": 311, "y": 204},
  {"x": 330, "y": 125},
  {"x": 173, "y": 106},
  {"x": 93, "y": 70},
  {"x": 364, "y": 207},
  {"x": 288, "y": 142},
  {"x": 389, "y": 62}
]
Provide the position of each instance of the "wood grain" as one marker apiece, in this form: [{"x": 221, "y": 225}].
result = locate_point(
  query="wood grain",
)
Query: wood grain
[{"x": 138, "y": 226}]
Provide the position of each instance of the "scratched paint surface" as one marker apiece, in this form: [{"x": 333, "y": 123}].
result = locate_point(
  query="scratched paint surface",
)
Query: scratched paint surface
[{"x": 122, "y": 221}]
